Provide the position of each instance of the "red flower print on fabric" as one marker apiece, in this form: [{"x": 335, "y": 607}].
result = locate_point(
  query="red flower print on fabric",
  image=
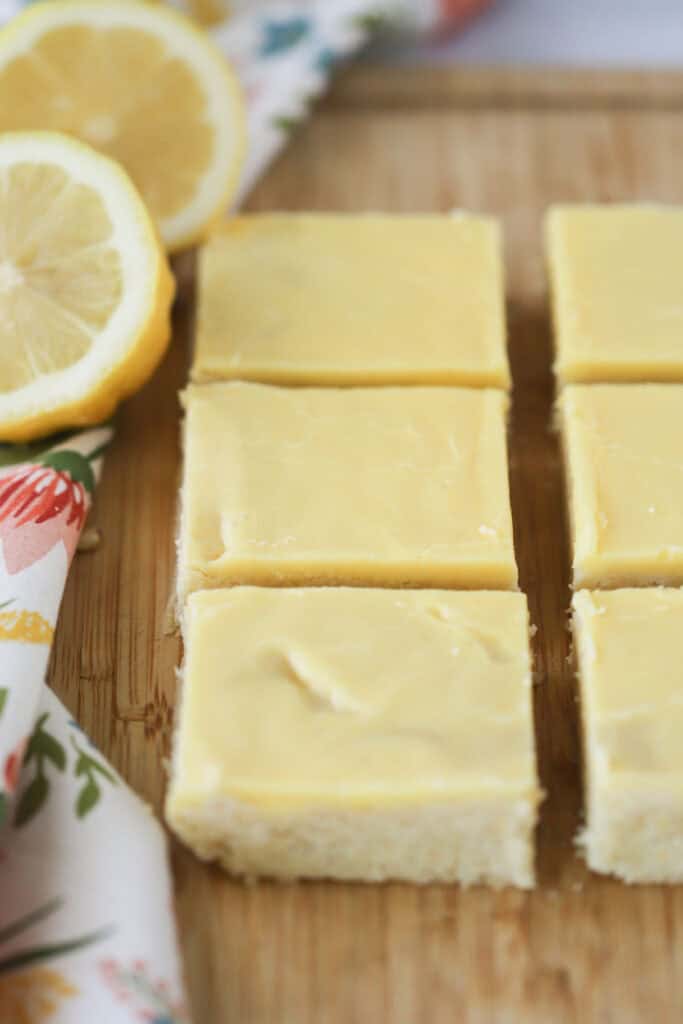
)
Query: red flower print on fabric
[
  {"x": 455, "y": 11},
  {"x": 12, "y": 767},
  {"x": 40, "y": 505}
]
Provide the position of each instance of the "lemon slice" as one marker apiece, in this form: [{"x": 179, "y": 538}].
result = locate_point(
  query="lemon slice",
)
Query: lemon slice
[
  {"x": 85, "y": 288},
  {"x": 140, "y": 83}
]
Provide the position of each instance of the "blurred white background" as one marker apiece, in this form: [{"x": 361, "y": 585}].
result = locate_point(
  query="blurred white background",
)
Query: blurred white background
[{"x": 615, "y": 33}]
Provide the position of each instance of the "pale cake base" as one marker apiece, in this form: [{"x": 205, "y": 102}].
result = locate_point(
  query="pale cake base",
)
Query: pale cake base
[
  {"x": 631, "y": 686},
  {"x": 635, "y": 834},
  {"x": 357, "y": 734},
  {"x": 490, "y": 841}
]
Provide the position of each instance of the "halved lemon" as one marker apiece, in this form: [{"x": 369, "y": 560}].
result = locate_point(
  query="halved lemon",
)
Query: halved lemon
[
  {"x": 85, "y": 287},
  {"x": 140, "y": 83}
]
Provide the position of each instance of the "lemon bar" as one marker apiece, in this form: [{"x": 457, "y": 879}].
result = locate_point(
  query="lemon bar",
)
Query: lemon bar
[
  {"x": 374, "y": 486},
  {"x": 624, "y": 466},
  {"x": 325, "y": 299},
  {"x": 357, "y": 734},
  {"x": 631, "y": 681},
  {"x": 616, "y": 276}
]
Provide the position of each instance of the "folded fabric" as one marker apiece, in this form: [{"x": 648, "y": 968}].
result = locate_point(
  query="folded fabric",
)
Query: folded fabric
[{"x": 85, "y": 913}]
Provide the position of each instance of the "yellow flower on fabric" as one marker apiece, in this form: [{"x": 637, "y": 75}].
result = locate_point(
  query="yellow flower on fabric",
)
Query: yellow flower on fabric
[
  {"x": 25, "y": 626},
  {"x": 33, "y": 996}
]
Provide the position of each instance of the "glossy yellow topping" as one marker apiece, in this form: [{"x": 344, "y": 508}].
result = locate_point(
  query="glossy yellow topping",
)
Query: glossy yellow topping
[
  {"x": 354, "y": 697},
  {"x": 404, "y": 487},
  {"x": 631, "y": 680},
  {"x": 617, "y": 282},
  {"x": 624, "y": 458},
  {"x": 313, "y": 298}
]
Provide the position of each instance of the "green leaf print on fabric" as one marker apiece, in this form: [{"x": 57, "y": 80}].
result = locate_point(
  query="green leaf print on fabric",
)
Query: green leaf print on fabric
[
  {"x": 42, "y": 750},
  {"x": 287, "y": 124},
  {"x": 89, "y": 767},
  {"x": 48, "y": 747},
  {"x": 372, "y": 23},
  {"x": 31, "y": 800},
  {"x": 47, "y": 754},
  {"x": 87, "y": 798},
  {"x": 40, "y": 954},
  {"x": 76, "y": 465}
]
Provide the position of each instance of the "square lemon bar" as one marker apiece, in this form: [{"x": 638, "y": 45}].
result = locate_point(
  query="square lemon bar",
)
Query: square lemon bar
[
  {"x": 369, "y": 486},
  {"x": 372, "y": 299},
  {"x": 624, "y": 467},
  {"x": 628, "y": 644},
  {"x": 616, "y": 276},
  {"x": 357, "y": 734}
]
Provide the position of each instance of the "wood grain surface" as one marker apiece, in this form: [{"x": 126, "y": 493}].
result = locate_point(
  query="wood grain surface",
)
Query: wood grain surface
[{"x": 578, "y": 948}]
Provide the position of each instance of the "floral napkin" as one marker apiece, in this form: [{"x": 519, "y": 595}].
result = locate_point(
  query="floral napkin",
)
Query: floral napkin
[
  {"x": 86, "y": 927},
  {"x": 86, "y": 919}
]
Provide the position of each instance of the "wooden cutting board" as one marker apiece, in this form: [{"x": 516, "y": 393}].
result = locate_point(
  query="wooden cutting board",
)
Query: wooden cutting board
[{"x": 580, "y": 947}]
